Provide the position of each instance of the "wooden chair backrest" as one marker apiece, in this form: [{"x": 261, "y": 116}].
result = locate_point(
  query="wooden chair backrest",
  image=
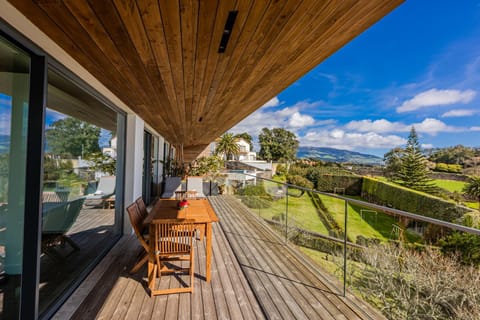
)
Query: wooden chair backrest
[
  {"x": 172, "y": 236},
  {"x": 142, "y": 207},
  {"x": 137, "y": 223}
]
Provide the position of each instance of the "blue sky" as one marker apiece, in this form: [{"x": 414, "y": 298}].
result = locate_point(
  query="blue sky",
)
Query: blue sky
[{"x": 418, "y": 66}]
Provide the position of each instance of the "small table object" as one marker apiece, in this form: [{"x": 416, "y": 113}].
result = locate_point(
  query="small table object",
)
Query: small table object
[
  {"x": 180, "y": 195},
  {"x": 109, "y": 203}
]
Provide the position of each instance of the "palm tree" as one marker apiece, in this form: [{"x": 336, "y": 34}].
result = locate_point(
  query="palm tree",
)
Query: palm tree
[
  {"x": 473, "y": 188},
  {"x": 227, "y": 146}
]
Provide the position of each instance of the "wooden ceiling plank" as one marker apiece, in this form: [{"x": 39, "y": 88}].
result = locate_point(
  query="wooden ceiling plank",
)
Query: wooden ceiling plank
[
  {"x": 213, "y": 56},
  {"x": 170, "y": 12},
  {"x": 139, "y": 45},
  {"x": 189, "y": 21},
  {"x": 223, "y": 68},
  {"x": 66, "y": 21},
  {"x": 247, "y": 63},
  {"x": 150, "y": 12},
  {"x": 206, "y": 22},
  {"x": 133, "y": 22},
  {"x": 137, "y": 73},
  {"x": 135, "y": 26},
  {"x": 301, "y": 42},
  {"x": 244, "y": 38}
]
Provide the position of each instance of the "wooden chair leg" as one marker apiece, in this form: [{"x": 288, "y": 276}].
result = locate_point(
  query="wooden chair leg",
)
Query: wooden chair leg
[{"x": 139, "y": 264}]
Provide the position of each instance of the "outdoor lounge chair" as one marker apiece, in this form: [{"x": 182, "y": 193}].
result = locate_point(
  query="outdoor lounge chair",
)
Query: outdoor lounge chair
[
  {"x": 58, "y": 218},
  {"x": 171, "y": 240},
  {"x": 195, "y": 184},
  {"x": 172, "y": 184},
  {"x": 105, "y": 189}
]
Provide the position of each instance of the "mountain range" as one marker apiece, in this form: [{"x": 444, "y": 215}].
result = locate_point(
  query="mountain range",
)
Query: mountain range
[{"x": 337, "y": 155}]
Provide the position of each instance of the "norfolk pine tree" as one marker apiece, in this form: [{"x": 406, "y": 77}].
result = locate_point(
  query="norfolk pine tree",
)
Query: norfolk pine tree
[{"x": 413, "y": 172}]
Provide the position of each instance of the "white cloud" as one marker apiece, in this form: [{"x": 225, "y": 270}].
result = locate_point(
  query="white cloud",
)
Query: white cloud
[
  {"x": 429, "y": 125},
  {"x": 458, "y": 113},
  {"x": 289, "y": 118},
  {"x": 272, "y": 103},
  {"x": 426, "y": 145},
  {"x": 434, "y": 126},
  {"x": 474, "y": 128},
  {"x": 350, "y": 140},
  {"x": 298, "y": 120},
  {"x": 381, "y": 125},
  {"x": 435, "y": 97}
]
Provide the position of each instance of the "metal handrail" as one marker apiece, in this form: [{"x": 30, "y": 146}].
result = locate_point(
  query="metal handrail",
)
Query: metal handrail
[{"x": 381, "y": 208}]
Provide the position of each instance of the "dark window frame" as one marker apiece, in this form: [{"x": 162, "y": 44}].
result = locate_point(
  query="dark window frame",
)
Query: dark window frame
[{"x": 41, "y": 63}]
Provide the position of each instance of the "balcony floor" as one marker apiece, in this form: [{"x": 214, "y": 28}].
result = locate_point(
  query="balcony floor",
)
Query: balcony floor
[{"x": 254, "y": 276}]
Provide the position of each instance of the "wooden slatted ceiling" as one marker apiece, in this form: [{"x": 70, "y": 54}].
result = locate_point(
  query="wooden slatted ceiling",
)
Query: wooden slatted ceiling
[{"x": 161, "y": 57}]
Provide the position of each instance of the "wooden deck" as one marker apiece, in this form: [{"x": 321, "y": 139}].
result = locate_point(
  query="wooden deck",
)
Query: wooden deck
[{"x": 254, "y": 276}]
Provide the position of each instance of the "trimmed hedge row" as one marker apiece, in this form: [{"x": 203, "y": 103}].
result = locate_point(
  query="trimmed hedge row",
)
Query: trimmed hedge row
[
  {"x": 397, "y": 197},
  {"x": 328, "y": 183},
  {"x": 328, "y": 221}
]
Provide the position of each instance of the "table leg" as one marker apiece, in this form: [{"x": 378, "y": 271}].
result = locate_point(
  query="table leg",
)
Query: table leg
[
  {"x": 208, "y": 245},
  {"x": 151, "y": 274}
]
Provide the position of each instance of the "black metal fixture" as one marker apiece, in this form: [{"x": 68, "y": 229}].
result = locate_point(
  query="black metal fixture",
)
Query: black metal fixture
[{"x": 232, "y": 15}]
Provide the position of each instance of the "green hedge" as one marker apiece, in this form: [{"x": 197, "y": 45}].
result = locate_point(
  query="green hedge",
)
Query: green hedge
[
  {"x": 451, "y": 168},
  {"x": 405, "y": 199},
  {"x": 328, "y": 183}
]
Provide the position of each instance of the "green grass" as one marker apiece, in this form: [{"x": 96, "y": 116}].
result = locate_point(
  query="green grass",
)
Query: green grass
[
  {"x": 450, "y": 185},
  {"x": 302, "y": 211},
  {"x": 370, "y": 227}
]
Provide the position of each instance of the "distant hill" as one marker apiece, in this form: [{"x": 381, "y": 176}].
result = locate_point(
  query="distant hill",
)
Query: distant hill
[{"x": 337, "y": 155}]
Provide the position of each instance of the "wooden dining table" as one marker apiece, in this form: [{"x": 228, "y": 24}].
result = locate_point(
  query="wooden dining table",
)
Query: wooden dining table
[{"x": 198, "y": 210}]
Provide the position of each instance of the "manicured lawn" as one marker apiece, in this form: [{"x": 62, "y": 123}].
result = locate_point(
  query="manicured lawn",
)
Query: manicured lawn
[
  {"x": 302, "y": 211},
  {"x": 473, "y": 205},
  {"x": 378, "y": 227},
  {"x": 450, "y": 185}
]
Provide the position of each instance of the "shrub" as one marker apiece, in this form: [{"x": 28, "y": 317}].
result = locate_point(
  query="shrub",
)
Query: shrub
[
  {"x": 451, "y": 168},
  {"x": 464, "y": 245},
  {"x": 300, "y": 181},
  {"x": 418, "y": 284},
  {"x": 255, "y": 197},
  {"x": 256, "y": 202}
]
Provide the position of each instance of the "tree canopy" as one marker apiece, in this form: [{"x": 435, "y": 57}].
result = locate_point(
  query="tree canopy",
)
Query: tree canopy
[
  {"x": 227, "y": 146},
  {"x": 277, "y": 144},
  {"x": 70, "y": 136},
  {"x": 409, "y": 166},
  {"x": 245, "y": 136},
  {"x": 473, "y": 188}
]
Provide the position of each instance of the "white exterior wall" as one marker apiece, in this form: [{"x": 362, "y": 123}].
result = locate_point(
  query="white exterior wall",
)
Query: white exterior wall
[{"x": 133, "y": 164}]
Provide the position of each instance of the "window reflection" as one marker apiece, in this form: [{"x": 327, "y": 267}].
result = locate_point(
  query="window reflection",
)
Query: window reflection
[
  {"x": 14, "y": 92},
  {"x": 80, "y": 184}
]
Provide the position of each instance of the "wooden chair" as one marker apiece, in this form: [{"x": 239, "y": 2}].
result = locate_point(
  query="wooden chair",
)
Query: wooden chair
[
  {"x": 136, "y": 219},
  {"x": 171, "y": 240},
  {"x": 142, "y": 207}
]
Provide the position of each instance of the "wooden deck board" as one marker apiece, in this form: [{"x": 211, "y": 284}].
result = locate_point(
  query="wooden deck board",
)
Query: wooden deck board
[
  {"x": 263, "y": 251},
  {"x": 254, "y": 276}
]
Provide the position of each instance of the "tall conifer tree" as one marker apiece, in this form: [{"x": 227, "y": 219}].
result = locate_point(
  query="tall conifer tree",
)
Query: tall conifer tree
[{"x": 414, "y": 172}]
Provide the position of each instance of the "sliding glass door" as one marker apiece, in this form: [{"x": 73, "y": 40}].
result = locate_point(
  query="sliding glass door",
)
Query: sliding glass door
[{"x": 14, "y": 97}]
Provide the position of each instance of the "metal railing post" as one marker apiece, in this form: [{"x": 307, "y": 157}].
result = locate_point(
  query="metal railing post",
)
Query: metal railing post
[
  {"x": 345, "y": 251},
  {"x": 286, "y": 216}
]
